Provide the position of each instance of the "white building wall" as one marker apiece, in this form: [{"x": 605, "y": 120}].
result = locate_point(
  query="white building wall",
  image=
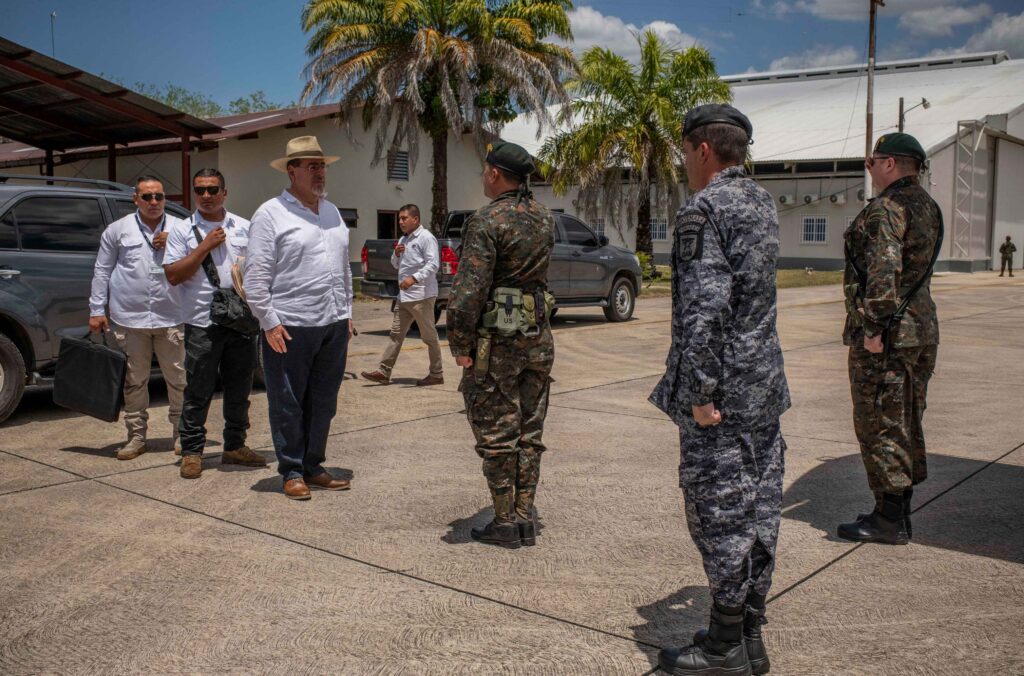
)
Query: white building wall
[{"x": 1008, "y": 214}]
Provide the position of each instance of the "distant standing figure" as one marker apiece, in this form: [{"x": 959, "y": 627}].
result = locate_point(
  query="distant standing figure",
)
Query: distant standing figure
[{"x": 1006, "y": 250}]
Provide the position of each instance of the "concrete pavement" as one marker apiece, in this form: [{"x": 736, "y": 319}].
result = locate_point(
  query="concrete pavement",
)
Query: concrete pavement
[{"x": 110, "y": 566}]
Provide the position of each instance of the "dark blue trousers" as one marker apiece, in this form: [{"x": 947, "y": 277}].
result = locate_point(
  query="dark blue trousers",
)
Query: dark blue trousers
[{"x": 302, "y": 394}]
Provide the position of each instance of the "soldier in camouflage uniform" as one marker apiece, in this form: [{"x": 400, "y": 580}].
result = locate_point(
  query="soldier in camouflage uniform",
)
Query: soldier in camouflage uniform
[
  {"x": 1006, "y": 251},
  {"x": 725, "y": 388},
  {"x": 890, "y": 249},
  {"x": 505, "y": 244}
]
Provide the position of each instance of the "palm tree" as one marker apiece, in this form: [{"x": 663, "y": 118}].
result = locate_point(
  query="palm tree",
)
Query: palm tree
[
  {"x": 440, "y": 66},
  {"x": 622, "y": 131}
]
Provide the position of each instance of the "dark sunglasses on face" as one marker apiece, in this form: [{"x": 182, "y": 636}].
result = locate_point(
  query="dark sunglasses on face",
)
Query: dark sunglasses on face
[
  {"x": 870, "y": 162},
  {"x": 206, "y": 190},
  {"x": 152, "y": 196}
]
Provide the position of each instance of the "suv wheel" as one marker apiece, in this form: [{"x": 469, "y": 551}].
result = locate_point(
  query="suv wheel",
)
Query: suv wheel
[
  {"x": 12, "y": 377},
  {"x": 621, "y": 301}
]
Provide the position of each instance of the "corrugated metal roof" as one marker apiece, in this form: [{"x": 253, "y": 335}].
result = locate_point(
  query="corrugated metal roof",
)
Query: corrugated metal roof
[
  {"x": 55, "y": 106},
  {"x": 819, "y": 114}
]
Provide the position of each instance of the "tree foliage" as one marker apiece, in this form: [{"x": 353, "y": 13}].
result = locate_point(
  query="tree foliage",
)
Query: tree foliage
[{"x": 620, "y": 138}]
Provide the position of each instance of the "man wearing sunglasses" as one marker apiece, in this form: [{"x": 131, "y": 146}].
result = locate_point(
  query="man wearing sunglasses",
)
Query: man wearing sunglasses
[
  {"x": 892, "y": 332},
  {"x": 212, "y": 240},
  {"x": 129, "y": 286}
]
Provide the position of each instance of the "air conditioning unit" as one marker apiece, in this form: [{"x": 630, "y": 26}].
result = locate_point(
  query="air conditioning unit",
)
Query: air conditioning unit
[
  {"x": 837, "y": 199},
  {"x": 860, "y": 195},
  {"x": 786, "y": 199},
  {"x": 810, "y": 198}
]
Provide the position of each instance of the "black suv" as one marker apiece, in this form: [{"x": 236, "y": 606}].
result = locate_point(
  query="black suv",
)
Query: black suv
[{"x": 49, "y": 233}]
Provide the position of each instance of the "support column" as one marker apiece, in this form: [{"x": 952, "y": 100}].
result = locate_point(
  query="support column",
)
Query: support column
[
  {"x": 49, "y": 162},
  {"x": 186, "y": 174},
  {"x": 111, "y": 162}
]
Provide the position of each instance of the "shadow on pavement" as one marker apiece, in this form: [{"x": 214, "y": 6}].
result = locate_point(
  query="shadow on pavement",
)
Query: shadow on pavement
[
  {"x": 671, "y": 621},
  {"x": 979, "y": 518},
  {"x": 274, "y": 484}
]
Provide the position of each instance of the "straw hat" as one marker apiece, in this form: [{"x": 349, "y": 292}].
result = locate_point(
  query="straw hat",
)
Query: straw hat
[{"x": 300, "y": 148}]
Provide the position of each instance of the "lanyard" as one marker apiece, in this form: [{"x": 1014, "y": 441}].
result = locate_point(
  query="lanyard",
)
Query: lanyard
[{"x": 143, "y": 229}]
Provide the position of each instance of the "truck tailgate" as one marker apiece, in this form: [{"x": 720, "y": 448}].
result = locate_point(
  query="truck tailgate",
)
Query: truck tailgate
[{"x": 378, "y": 260}]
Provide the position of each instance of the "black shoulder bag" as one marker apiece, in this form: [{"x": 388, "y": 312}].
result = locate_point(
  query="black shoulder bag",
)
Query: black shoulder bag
[{"x": 228, "y": 309}]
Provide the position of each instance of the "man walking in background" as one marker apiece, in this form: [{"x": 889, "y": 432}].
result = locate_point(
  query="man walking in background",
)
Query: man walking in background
[{"x": 416, "y": 258}]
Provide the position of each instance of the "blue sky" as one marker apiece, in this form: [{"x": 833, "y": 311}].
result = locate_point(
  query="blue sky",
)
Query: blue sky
[{"x": 229, "y": 48}]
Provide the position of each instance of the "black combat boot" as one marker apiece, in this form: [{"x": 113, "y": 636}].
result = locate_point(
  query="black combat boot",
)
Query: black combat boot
[
  {"x": 886, "y": 525},
  {"x": 753, "y": 618},
  {"x": 720, "y": 653},
  {"x": 907, "y": 495},
  {"x": 503, "y": 530},
  {"x": 527, "y": 528},
  {"x": 878, "y": 506}
]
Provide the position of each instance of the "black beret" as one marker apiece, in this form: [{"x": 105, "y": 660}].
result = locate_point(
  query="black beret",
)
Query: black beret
[
  {"x": 903, "y": 145},
  {"x": 716, "y": 113},
  {"x": 510, "y": 157}
]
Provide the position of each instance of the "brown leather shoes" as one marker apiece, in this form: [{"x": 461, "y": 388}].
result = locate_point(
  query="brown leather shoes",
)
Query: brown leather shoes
[
  {"x": 377, "y": 377},
  {"x": 191, "y": 466},
  {"x": 327, "y": 482},
  {"x": 243, "y": 456},
  {"x": 430, "y": 380},
  {"x": 296, "y": 489}
]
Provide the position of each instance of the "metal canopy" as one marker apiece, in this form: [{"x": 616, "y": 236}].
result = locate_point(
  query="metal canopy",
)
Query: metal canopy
[{"x": 54, "y": 106}]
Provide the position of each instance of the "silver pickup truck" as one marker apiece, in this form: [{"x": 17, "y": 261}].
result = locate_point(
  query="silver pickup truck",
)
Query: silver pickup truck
[{"x": 585, "y": 270}]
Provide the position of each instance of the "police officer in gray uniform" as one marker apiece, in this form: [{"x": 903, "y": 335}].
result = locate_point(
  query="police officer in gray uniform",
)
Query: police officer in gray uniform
[{"x": 725, "y": 388}]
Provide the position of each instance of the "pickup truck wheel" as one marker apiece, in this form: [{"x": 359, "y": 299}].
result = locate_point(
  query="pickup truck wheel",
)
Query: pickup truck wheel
[
  {"x": 621, "y": 301},
  {"x": 12, "y": 377}
]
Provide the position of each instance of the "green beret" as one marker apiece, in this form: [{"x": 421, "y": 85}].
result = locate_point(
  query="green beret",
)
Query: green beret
[
  {"x": 716, "y": 113},
  {"x": 510, "y": 157},
  {"x": 903, "y": 145}
]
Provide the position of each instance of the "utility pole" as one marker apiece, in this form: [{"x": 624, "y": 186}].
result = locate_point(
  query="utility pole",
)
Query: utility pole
[
  {"x": 869, "y": 134},
  {"x": 901, "y": 115},
  {"x": 53, "y": 41}
]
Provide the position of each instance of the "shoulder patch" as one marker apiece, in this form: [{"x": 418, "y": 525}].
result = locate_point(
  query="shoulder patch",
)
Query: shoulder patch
[{"x": 689, "y": 236}]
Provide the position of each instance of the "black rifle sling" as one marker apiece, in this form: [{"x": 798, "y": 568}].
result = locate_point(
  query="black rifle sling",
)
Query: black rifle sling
[{"x": 208, "y": 266}]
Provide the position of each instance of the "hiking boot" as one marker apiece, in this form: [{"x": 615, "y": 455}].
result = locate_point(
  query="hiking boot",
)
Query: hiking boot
[
  {"x": 296, "y": 489},
  {"x": 191, "y": 466},
  {"x": 886, "y": 525},
  {"x": 135, "y": 447},
  {"x": 753, "y": 618},
  {"x": 430, "y": 380},
  {"x": 501, "y": 533},
  {"x": 377, "y": 376},
  {"x": 327, "y": 482},
  {"x": 243, "y": 456},
  {"x": 720, "y": 652}
]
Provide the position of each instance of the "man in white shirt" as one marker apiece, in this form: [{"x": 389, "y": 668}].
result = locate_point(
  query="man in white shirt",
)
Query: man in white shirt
[
  {"x": 298, "y": 282},
  {"x": 416, "y": 259},
  {"x": 144, "y": 311},
  {"x": 200, "y": 251}
]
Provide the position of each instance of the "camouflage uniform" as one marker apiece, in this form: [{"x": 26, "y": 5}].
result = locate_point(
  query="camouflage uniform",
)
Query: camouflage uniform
[
  {"x": 1006, "y": 251},
  {"x": 505, "y": 244},
  {"x": 725, "y": 350},
  {"x": 892, "y": 241}
]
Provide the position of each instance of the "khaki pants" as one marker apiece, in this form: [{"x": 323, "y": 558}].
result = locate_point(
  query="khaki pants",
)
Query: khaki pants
[
  {"x": 139, "y": 345},
  {"x": 421, "y": 312}
]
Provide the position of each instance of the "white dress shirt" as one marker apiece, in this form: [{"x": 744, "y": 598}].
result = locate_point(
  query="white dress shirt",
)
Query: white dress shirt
[
  {"x": 419, "y": 261},
  {"x": 128, "y": 279},
  {"x": 297, "y": 272},
  {"x": 197, "y": 291}
]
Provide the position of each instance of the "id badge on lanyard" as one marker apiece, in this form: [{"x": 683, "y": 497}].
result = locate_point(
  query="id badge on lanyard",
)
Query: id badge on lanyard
[{"x": 154, "y": 268}]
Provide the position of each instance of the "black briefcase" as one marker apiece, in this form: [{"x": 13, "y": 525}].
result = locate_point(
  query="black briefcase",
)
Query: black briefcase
[{"x": 90, "y": 378}]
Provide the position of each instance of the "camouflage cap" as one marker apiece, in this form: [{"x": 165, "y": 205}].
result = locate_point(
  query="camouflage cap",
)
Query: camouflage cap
[
  {"x": 900, "y": 144},
  {"x": 510, "y": 157},
  {"x": 716, "y": 113}
]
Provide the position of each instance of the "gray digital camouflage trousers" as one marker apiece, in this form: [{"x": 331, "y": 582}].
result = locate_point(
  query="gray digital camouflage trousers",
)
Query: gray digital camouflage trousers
[
  {"x": 732, "y": 486},
  {"x": 506, "y": 413}
]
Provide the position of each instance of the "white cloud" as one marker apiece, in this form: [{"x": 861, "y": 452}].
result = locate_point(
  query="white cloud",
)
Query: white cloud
[
  {"x": 1004, "y": 33},
  {"x": 940, "y": 21},
  {"x": 818, "y": 57},
  {"x": 777, "y": 9},
  {"x": 849, "y": 10},
  {"x": 590, "y": 27}
]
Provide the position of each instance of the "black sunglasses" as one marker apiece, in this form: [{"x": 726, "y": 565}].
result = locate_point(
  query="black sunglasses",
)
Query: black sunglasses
[
  {"x": 151, "y": 196},
  {"x": 206, "y": 190}
]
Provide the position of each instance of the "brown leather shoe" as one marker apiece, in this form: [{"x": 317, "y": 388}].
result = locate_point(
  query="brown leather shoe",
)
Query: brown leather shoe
[
  {"x": 296, "y": 489},
  {"x": 191, "y": 466},
  {"x": 377, "y": 377},
  {"x": 328, "y": 483},
  {"x": 430, "y": 380},
  {"x": 243, "y": 456}
]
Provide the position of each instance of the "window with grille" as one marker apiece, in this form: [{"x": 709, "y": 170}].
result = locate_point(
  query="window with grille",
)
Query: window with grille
[
  {"x": 598, "y": 225},
  {"x": 659, "y": 229},
  {"x": 815, "y": 230},
  {"x": 398, "y": 165}
]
